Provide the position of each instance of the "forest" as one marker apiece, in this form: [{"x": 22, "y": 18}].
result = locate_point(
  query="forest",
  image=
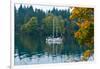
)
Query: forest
[{"x": 74, "y": 25}]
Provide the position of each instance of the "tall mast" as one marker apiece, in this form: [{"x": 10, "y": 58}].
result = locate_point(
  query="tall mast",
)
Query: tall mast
[
  {"x": 56, "y": 27},
  {"x": 53, "y": 36},
  {"x": 53, "y": 27}
]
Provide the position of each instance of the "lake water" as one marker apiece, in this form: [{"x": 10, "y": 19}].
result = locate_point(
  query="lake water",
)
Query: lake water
[{"x": 35, "y": 50}]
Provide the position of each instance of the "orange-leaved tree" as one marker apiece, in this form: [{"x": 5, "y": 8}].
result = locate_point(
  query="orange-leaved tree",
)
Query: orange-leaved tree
[{"x": 84, "y": 18}]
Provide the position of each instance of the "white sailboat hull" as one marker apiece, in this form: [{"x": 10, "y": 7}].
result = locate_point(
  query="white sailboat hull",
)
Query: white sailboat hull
[{"x": 54, "y": 40}]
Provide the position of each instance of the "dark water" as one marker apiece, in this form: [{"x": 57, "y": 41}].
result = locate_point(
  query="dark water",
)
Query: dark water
[{"x": 35, "y": 50}]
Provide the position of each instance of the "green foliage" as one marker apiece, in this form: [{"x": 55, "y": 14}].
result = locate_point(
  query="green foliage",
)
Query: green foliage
[
  {"x": 52, "y": 22},
  {"x": 30, "y": 26}
]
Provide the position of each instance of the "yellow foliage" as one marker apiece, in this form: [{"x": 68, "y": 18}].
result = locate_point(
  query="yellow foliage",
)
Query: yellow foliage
[
  {"x": 85, "y": 34},
  {"x": 87, "y": 54},
  {"x": 77, "y": 34},
  {"x": 78, "y": 24},
  {"x": 85, "y": 13},
  {"x": 85, "y": 24}
]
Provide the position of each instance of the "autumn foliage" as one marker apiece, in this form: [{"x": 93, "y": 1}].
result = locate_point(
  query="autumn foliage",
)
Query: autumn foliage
[{"x": 85, "y": 34}]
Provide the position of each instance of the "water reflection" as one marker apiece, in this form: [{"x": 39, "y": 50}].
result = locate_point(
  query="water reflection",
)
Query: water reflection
[{"x": 35, "y": 50}]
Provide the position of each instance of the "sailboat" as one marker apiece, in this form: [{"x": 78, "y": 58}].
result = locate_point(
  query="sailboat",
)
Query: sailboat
[{"x": 53, "y": 39}]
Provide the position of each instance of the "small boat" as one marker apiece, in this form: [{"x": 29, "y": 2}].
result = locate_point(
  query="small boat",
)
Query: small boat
[
  {"x": 54, "y": 39},
  {"x": 51, "y": 40}
]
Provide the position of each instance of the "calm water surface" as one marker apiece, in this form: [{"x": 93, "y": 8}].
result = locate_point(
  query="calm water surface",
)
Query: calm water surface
[{"x": 35, "y": 50}]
